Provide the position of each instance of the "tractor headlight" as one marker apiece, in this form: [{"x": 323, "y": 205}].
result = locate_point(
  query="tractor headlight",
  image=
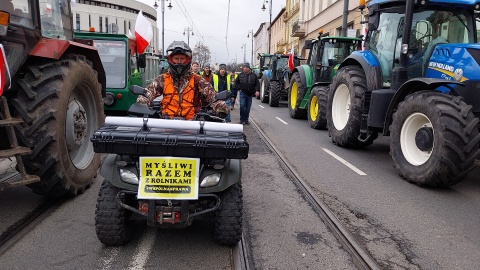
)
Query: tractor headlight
[
  {"x": 211, "y": 180},
  {"x": 109, "y": 99},
  {"x": 128, "y": 176}
]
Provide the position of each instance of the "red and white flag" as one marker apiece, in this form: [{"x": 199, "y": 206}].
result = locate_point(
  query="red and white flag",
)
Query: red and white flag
[
  {"x": 48, "y": 8},
  {"x": 3, "y": 67},
  {"x": 291, "y": 66},
  {"x": 143, "y": 32}
]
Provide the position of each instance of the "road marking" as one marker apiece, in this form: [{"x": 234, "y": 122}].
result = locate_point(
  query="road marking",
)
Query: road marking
[
  {"x": 143, "y": 249},
  {"x": 106, "y": 262},
  {"x": 355, "y": 169},
  {"x": 278, "y": 118},
  {"x": 261, "y": 106}
]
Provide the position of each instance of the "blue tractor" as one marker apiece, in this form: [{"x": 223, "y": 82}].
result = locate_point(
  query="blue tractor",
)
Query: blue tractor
[{"x": 418, "y": 81}]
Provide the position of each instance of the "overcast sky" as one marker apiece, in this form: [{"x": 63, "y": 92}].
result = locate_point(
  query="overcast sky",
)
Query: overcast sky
[{"x": 209, "y": 20}]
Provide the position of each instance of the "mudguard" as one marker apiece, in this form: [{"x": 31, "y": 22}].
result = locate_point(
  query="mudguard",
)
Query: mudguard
[
  {"x": 303, "y": 75},
  {"x": 370, "y": 66},
  {"x": 415, "y": 85}
]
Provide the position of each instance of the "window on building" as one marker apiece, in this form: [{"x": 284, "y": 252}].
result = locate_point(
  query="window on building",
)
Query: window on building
[
  {"x": 125, "y": 27},
  {"x": 100, "y": 26},
  {"x": 78, "y": 21},
  {"x": 106, "y": 24},
  {"x": 89, "y": 20}
]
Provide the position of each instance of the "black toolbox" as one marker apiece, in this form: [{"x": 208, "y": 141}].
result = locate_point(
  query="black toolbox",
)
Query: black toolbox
[{"x": 170, "y": 142}]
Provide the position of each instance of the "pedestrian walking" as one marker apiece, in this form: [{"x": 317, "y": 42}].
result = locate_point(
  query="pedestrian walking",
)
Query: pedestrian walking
[
  {"x": 221, "y": 82},
  {"x": 248, "y": 85}
]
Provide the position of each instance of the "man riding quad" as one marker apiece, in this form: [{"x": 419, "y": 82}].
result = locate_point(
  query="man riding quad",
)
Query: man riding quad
[{"x": 184, "y": 92}]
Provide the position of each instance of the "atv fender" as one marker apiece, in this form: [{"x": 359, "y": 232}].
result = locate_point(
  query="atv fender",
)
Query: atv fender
[
  {"x": 110, "y": 172},
  {"x": 231, "y": 174}
]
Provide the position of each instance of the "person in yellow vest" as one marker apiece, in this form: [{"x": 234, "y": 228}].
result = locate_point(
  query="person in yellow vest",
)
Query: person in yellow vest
[
  {"x": 221, "y": 82},
  {"x": 233, "y": 88},
  {"x": 184, "y": 93}
]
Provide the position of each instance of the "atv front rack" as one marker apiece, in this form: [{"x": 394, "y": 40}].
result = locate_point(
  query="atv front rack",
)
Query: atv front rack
[{"x": 176, "y": 139}]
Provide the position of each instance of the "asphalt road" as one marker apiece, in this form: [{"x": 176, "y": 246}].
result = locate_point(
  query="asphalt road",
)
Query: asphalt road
[
  {"x": 404, "y": 226},
  {"x": 281, "y": 231}
]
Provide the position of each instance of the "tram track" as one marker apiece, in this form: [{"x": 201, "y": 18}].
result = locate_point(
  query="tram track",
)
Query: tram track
[{"x": 360, "y": 256}]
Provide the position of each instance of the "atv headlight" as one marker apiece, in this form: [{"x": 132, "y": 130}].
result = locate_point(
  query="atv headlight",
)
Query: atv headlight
[
  {"x": 128, "y": 176},
  {"x": 211, "y": 180}
]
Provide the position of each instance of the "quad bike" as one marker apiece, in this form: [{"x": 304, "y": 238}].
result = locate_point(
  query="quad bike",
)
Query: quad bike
[{"x": 169, "y": 172}]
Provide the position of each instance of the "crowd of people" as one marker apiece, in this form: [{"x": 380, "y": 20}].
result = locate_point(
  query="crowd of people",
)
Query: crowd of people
[{"x": 185, "y": 89}]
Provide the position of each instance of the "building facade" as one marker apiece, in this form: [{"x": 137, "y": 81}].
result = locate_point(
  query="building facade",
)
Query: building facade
[
  {"x": 113, "y": 16},
  {"x": 278, "y": 39},
  {"x": 260, "y": 41}
]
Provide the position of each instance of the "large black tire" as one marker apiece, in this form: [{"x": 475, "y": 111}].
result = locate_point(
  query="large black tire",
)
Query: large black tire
[
  {"x": 112, "y": 222},
  {"x": 263, "y": 91},
  {"x": 275, "y": 94},
  {"x": 317, "y": 107},
  {"x": 229, "y": 216},
  {"x": 434, "y": 140},
  {"x": 344, "y": 107},
  {"x": 61, "y": 105},
  {"x": 295, "y": 96}
]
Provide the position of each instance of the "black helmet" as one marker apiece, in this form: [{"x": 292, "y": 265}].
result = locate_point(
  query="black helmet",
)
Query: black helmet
[{"x": 179, "y": 47}]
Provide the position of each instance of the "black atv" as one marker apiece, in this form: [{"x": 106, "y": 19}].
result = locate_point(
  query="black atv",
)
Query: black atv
[{"x": 169, "y": 172}]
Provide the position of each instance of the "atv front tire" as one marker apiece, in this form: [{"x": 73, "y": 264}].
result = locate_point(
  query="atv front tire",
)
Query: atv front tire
[
  {"x": 229, "y": 216},
  {"x": 112, "y": 222}
]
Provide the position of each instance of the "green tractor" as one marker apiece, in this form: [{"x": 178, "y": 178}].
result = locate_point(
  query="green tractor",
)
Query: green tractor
[
  {"x": 310, "y": 82},
  {"x": 123, "y": 66},
  {"x": 275, "y": 77}
]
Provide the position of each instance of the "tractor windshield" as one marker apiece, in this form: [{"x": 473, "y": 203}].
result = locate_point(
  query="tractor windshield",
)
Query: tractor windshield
[
  {"x": 55, "y": 19},
  {"x": 336, "y": 51},
  {"x": 113, "y": 55},
  {"x": 429, "y": 28},
  {"x": 20, "y": 12}
]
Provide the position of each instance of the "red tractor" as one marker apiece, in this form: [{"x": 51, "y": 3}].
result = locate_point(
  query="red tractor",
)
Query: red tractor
[{"x": 52, "y": 91}]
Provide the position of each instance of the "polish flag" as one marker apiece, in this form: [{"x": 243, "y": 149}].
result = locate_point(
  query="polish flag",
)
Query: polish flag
[
  {"x": 291, "y": 66},
  {"x": 48, "y": 8},
  {"x": 3, "y": 67},
  {"x": 143, "y": 32}
]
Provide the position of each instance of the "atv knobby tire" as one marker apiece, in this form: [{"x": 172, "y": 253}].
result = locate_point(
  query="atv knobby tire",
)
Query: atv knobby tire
[
  {"x": 61, "y": 105},
  {"x": 344, "y": 107},
  {"x": 229, "y": 216},
  {"x": 295, "y": 96},
  {"x": 275, "y": 94},
  {"x": 263, "y": 91},
  {"x": 112, "y": 222},
  {"x": 455, "y": 134},
  {"x": 317, "y": 107}
]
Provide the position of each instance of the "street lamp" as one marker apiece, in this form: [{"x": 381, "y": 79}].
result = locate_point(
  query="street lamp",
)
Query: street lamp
[
  {"x": 188, "y": 30},
  {"x": 244, "y": 47},
  {"x": 270, "y": 25},
  {"x": 248, "y": 35},
  {"x": 163, "y": 21}
]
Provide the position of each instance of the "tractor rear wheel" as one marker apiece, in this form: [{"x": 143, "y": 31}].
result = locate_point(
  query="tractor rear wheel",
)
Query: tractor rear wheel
[
  {"x": 344, "y": 110},
  {"x": 434, "y": 139},
  {"x": 295, "y": 96},
  {"x": 61, "y": 106},
  {"x": 317, "y": 107},
  {"x": 275, "y": 94}
]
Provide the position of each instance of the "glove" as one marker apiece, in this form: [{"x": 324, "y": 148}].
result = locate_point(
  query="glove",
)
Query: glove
[{"x": 222, "y": 112}]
